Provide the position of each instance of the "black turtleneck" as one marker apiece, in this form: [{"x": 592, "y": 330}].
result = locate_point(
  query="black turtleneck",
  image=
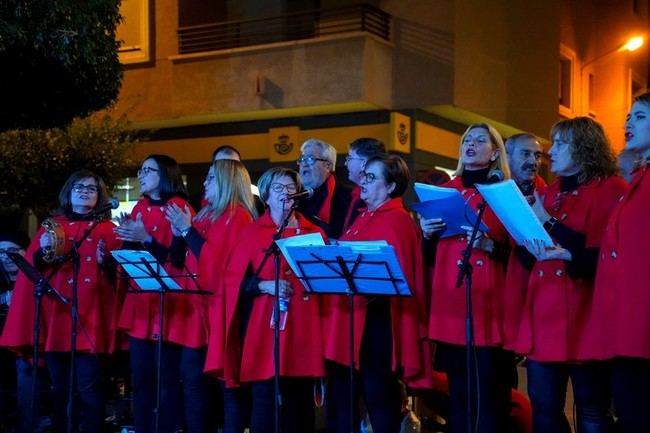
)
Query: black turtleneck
[{"x": 471, "y": 177}]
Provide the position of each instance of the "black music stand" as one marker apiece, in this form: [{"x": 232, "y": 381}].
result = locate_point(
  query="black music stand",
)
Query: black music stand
[
  {"x": 348, "y": 270},
  {"x": 151, "y": 277},
  {"x": 41, "y": 287}
]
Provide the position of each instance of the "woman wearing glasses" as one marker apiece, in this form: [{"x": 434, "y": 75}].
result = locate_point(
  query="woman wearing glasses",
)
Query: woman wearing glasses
[
  {"x": 481, "y": 152},
  {"x": 390, "y": 332},
  {"x": 574, "y": 211},
  {"x": 74, "y": 228},
  {"x": 161, "y": 186},
  {"x": 211, "y": 236},
  {"x": 249, "y": 310}
]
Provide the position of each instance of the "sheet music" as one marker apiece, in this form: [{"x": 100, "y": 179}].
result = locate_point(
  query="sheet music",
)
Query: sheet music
[
  {"x": 516, "y": 215},
  {"x": 302, "y": 240},
  {"x": 372, "y": 269},
  {"x": 447, "y": 204},
  {"x": 133, "y": 263}
]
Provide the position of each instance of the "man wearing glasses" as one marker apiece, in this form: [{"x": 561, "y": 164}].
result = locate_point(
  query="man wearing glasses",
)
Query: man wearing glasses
[
  {"x": 359, "y": 151},
  {"x": 328, "y": 206}
]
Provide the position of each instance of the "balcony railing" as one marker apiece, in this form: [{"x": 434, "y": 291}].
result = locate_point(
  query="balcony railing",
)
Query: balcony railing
[{"x": 290, "y": 27}]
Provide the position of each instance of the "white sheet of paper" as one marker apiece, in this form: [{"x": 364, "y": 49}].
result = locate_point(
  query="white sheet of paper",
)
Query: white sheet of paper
[
  {"x": 516, "y": 215},
  {"x": 298, "y": 241}
]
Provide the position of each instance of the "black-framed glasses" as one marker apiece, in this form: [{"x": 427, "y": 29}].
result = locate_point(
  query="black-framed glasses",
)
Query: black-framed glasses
[
  {"x": 309, "y": 160},
  {"x": 146, "y": 170},
  {"x": 368, "y": 177},
  {"x": 80, "y": 187},
  {"x": 4, "y": 251},
  {"x": 351, "y": 158},
  {"x": 279, "y": 187}
]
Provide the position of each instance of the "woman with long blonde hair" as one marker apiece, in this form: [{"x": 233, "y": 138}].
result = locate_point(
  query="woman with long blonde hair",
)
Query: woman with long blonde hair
[{"x": 210, "y": 236}]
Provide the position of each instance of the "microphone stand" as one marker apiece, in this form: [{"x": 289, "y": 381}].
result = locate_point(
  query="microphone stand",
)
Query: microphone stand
[
  {"x": 73, "y": 255},
  {"x": 465, "y": 273},
  {"x": 275, "y": 251}
]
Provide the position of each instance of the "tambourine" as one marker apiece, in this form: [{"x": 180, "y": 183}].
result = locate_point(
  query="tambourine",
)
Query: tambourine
[{"x": 57, "y": 236}]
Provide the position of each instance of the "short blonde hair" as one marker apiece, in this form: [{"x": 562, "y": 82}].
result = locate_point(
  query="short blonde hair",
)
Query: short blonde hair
[
  {"x": 501, "y": 161},
  {"x": 271, "y": 175}
]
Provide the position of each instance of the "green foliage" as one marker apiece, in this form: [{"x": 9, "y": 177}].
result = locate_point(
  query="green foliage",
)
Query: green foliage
[
  {"x": 59, "y": 60},
  {"x": 34, "y": 163}
]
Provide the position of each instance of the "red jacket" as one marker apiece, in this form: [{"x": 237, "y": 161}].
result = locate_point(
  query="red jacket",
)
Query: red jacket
[
  {"x": 516, "y": 286},
  {"x": 301, "y": 348},
  {"x": 557, "y": 306},
  {"x": 96, "y": 297},
  {"x": 392, "y": 223},
  {"x": 620, "y": 324},
  {"x": 447, "y": 317},
  {"x": 193, "y": 317},
  {"x": 205, "y": 320},
  {"x": 140, "y": 313}
]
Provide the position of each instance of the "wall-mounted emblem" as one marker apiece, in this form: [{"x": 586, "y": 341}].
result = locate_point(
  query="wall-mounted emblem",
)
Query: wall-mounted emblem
[{"x": 283, "y": 145}]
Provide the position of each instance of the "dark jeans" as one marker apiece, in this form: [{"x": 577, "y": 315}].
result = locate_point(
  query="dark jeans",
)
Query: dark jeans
[
  {"x": 201, "y": 394},
  {"x": 24, "y": 377},
  {"x": 297, "y": 415},
  {"x": 90, "y": 386},
  {"x": 547, "y": 385},
  {"x": 236, "y": 408},
  {"x": 144, "y": 354},
  {"x": 375, "y": 379},
  {"x": 631, "y": 388},
  {"x": 491, "y": 397}
]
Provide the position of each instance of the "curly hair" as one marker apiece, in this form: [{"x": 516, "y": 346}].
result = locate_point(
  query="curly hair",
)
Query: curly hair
[{"x": 590, "y": 147}]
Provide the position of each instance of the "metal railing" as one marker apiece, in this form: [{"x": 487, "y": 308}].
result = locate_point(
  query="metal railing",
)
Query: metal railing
[{"x": 290, "y": 27}]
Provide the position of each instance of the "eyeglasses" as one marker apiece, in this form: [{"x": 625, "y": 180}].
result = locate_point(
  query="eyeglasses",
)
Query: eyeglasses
[
  {"x": 349, "y": 158},
  {"x": 4, "y": 251},
  {"x": 146, "y": 170},
  {"x": 278, "y": 187},
  {"x": 309, "y": 160},
  {"x": 80, "y": 187},
  {"x": 368, "y": 177}
]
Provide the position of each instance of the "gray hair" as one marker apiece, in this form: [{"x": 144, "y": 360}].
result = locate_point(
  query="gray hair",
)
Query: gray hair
[
  {"x": 512, "y": 140},
  {"x": 327, "y": 151}
]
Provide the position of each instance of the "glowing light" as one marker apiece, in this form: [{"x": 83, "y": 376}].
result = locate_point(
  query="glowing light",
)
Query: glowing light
[{"x": 633, "y": 44}]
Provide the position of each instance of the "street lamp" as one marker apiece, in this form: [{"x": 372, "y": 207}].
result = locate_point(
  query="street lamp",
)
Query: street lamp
[{"x": 632, "y": 44}]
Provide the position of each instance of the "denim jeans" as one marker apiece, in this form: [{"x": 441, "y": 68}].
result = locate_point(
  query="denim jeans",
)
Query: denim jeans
[
  {"x": 631, "y": 387},
  {"x": 547, "y": 386},
  {"x": 90, "y": 387},
  {"x": 491, "y": 397},
  {"x": 202, "y": 402},
  {"x": 143, "y": 370}
]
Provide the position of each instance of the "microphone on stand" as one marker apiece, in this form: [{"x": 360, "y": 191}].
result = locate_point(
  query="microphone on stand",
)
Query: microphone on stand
[
  {"x": 305, "y": 193},
  {"x": 113, "y": 203}
]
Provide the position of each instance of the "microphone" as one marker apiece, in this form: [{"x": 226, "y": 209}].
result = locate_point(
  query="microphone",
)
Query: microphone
[
  {"x": 494, "y": 176},
  {"x": 113, "y": 203},
  {"x": 305, "y": 193}
]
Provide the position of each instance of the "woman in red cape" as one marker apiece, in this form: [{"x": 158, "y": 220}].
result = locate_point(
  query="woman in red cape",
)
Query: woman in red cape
[
  {"x": 249, "y": 308},
  {"x": 161, "y": 185},
  {"x": 574, "y": 211},
  {"x": 83, "y": 192},
  {"x": 481, "y": 152},
  {"x": 390, "y": 332},
  {"x": 211, "y": 236},
  {"x": 620, "y": 319}
]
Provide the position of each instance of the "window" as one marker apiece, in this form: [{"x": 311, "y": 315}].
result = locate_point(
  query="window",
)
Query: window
[
  {"x": 566, "y": 81},
  {"x": 134, "y": 31}
]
